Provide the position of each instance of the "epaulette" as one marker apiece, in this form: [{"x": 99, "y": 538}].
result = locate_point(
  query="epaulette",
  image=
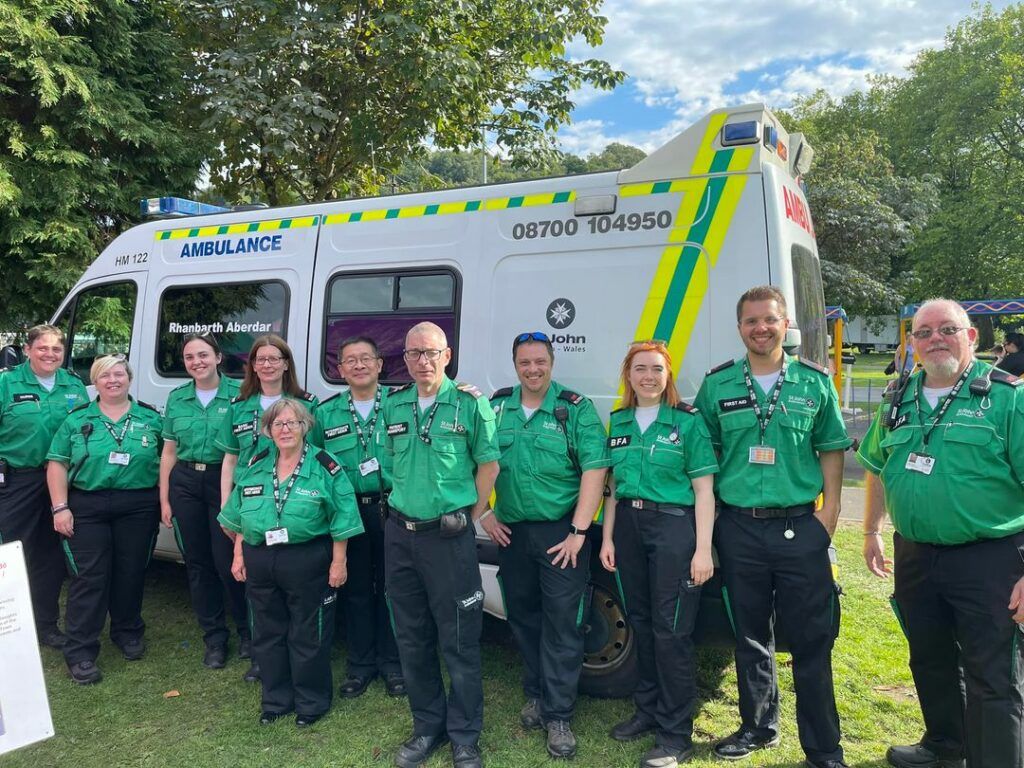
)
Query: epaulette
[
  {"x": 813, "y": 365},
  {"x": 469, "y": 389},
  {"x": 182, "y": 386},
  {"x": 721, "y": 367},
  {"x": 399, "y": 388},
  {"x": 571, "y": 397},
  {"x": 686, "y": 407},
  {"x": 1005, "y": 378},
  {"x": 147, "y": 405},
  {"x": 80, "y": 407},
  {"x": 619, "y": 409},
  {"x": 238, "y": 399},
  {"x": 332, "y": 397},
  {"x": 309, "y": 397},
  {"x": 329, "y": 462},
  {"x": 71, "y": 371},
  {"x": 259, "y": 456},
  {"x": 503, "y": 392}
]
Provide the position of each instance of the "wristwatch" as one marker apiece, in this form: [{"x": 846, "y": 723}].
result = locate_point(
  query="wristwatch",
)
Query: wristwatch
[{"x": 578, "y": 531}]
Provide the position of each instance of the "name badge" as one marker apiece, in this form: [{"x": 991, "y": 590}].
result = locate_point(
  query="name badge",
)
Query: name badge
[
  {"x": 276, "y": 536},
  {"x": 368, "y": 466},
  {"x": 119, "y": 457},
  {"x": 920, "y": 462},
  {"x": 762, "y": 454}
]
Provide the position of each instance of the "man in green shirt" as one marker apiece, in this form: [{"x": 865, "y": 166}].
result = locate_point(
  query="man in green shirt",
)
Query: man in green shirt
[
  {"x": 948, "y": 450},
  {"x": 442, "y": 459},
  {"x": 554, "y": 457},
  {"x": 35, "y": 397},
  {"x": 776, "y": 423},
  {"x": 350, "y": 422}
]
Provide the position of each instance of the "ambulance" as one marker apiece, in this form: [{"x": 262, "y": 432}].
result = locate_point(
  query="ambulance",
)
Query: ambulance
[{"x": 661, "y": 250}]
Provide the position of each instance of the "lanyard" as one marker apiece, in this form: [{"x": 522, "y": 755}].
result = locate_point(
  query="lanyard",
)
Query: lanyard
[
  {"x": 370, "y": 424},
  {"x": 281, "y": 498},
  {"x": 118, "y": 438},
  {"x": 424, "y": 434},
  {"x": 926, "y": 432},
  {"x": 773, "y": 397}
]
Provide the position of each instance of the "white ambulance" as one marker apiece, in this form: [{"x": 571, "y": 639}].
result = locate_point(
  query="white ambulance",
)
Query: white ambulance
[{"x": 660, "y": 250}]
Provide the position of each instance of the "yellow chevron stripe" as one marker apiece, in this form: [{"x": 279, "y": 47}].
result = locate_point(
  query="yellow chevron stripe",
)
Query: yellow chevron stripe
[
  {"x": 656, "y": 294},
  {"x": 241, "y": 228},
  {"x": 692, "y": 303},
  {"x": 723, "y": 216},
  {"x": 706, "y": 154}
]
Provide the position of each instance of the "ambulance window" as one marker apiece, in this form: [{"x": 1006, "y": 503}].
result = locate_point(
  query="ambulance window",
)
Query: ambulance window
[
  {"x": 384, "y": 306},
  {"x": 234, "y": 313},
  {"x": 98, "y": 322},
  {"x": 810, "y": 305}
]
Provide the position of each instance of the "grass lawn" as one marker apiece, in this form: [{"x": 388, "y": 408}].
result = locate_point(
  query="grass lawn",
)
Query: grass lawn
[{"x": 127, "y": 721}]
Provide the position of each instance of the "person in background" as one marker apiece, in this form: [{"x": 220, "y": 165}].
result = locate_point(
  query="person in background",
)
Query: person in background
[
  {"x": 104, "y": 466},
  {"x": 190, "y": 495},
  {"x": 1013, "y": 360},
  {"x": 35, "y": 398}
]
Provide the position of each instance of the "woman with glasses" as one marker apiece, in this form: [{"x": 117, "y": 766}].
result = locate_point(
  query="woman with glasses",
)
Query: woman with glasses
[
  {"x": 104, "y": 463},
  {"x": 269, "y": 377},
  {"x": 291, "y": 514},
  {"x": 657, "y": 529},
  {"x": 190, "y": 495}
]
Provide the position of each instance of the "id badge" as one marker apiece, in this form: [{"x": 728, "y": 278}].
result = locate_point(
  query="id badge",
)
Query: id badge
[
  {"x": 119, "y": 457},
  {"x": 762, "y": 454},
  {"x": 368, "y": 466},
  {"x": 920, "y": 462},
  {"x": 276, "y": 536}
]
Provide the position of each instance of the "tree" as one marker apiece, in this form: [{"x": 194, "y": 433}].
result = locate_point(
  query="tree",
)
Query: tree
[
  {"x": 327, "y": 97},
  {"x": 87, "y": 93}
]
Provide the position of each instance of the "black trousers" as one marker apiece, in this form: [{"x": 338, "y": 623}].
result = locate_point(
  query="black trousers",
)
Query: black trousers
[
  {"x": 653, "y": 551},
  {"x": 195, "y": 500},
  {"x": 965, "y": 649},
  {"x": 25, "y": 517},
  {"x": 436, "y": 597},
  {"x": 293, "y": 623},
  {"x": 115, "y": 532},
  {"x": 544, "y": 604},
  {"x": 763, "y": 570},
  {"x": 371, "y": 640}
]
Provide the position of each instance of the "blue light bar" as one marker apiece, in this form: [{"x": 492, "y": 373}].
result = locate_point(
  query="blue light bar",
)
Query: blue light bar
[
  {"x": 166, "y": 207},
  {"x": 739, "y": 133}
]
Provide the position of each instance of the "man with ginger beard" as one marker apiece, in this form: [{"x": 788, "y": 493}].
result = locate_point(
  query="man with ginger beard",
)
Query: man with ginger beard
[{"x": 948, "y": 449}]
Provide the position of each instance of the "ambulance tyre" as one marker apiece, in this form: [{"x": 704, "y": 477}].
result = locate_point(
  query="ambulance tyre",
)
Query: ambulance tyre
[{"x": 609, "y": 650}]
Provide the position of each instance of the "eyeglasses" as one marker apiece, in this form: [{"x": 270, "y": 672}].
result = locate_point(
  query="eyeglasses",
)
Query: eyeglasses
[
  {"x": 946, "y": 330},
  {"x": 412, "y": 355},
  {"x": 265, "y": 359},
  {"x": 291, "y": 425},
  {"x": 348, "y": 362}
]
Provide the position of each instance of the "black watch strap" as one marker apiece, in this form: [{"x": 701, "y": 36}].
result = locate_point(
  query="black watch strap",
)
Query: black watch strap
[{"x": 578, "y": 531}]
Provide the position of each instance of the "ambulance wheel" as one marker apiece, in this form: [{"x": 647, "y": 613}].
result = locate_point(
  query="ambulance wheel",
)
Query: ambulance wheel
[{"x": 609, "y": 647}]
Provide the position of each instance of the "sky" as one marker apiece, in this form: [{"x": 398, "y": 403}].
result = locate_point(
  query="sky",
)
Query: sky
[{"x": 685, "y": 58}]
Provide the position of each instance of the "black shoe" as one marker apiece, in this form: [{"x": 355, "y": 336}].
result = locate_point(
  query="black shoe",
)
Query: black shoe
[
  {"x": 561, "y": 740},
  {"x": 53, "y": 638},
  {"x": 916, "y": 756},
  {"x": 529, "y": 715},
  {"x": 665, "y": 757},
  {"x": 244, "y": 648},
  {"x": 354, "y": 686},
  {"x": 133, "y": 649},
  {"x": 632, "y": 729},
  {"x": 252, "y": 674},
  {"x": 304, "y": 721},
  {"x": 742, "y": 743},
  {"x": 266, "y": 718},
  {"x": 466, "y": 756},
  {"x": 417, "y": 749},
  {"x": 394, "y": 684},
  {"x": 825, "y": 764},
  {"x": 85, "y": 673},
  {"x": 216, "y": 657}
]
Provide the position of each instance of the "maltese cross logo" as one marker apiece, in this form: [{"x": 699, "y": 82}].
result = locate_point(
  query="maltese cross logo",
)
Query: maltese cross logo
[{"x": 561, "y": 313}]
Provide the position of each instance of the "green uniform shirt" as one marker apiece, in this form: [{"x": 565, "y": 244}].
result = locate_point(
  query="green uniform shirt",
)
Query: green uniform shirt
[
  {"x": 320, "y": 502},
  {"x": 538, "y": 480},
  {"x": 807, "y": 419},
  {"x": 342, "y": 438},
  {"x": 29, "y": 415},
  {"x": 241, "y": 435},
  {"x": 974, "y": 489},
  {"x": 84, "y": 444},
  {"x": 194, "y": 428},
  {"x": 659, "y": 464},
  {"x": 431, "y": 479}
]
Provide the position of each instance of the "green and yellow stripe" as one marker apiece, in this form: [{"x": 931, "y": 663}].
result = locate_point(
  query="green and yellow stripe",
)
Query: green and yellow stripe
[
  {"x": 245, "y": 228},
  {"x": 445, "y": 209}
]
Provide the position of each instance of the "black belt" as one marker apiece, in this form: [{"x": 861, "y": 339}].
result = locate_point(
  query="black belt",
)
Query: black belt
[
  {"x": 23, "y": 470},
  {"x": 768, "y": 513},
  {"x": 652, "y": 506},
  {"x": 199, "y": 466},
  {"x": 413, "y": 524},
  {"x": 367, "y": 499}
]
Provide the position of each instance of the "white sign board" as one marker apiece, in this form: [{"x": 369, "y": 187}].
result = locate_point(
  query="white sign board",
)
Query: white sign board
[{"x": 24, "y": 707}]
